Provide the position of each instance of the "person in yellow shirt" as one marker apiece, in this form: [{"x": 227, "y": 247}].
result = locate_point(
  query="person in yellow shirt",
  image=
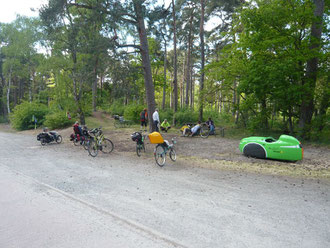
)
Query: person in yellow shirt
[{"x": 165, "y": 126}]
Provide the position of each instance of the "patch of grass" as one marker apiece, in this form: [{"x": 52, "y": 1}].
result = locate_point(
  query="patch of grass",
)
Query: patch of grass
[{"x": 285, "y": 169}]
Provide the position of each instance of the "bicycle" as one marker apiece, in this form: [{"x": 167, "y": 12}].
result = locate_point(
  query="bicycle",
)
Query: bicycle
[
  {"x": 162, "y": 149},
  {"x": 99, "y": 142},
  {"x": 120, "y": 122},
  {"x": 81, "y": 139},
  {"x": 139, "y": 139}
]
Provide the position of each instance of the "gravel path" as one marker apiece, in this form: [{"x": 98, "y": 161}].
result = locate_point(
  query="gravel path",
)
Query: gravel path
[{"x": 57, "y": 196}]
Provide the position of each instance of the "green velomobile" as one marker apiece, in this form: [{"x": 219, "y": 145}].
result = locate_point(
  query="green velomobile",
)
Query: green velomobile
[{"x": 285, "y": 148}]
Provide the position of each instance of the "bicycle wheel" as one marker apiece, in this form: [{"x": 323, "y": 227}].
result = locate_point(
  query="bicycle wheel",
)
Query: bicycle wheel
[
  {"x": 138, "y": 149},
  {"x": 107, "y": 146},
  {"x": 172, "y": 154},
  {"x": 86, "y": 144},
  {"x": 204, "y": 132},
  {"x": 76, "y": 142},
  {"x": 59, "y": 139},
  {"x": 160, "y": 155},
  {"x": 92, "y": 148}
]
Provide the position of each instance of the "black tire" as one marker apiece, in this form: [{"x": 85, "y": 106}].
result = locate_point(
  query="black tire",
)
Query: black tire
[
  {"x": 160, "y": 155},
  {"x": 92, "y": 148},
  {"x": 172, "y": 154},
  {"x": 86, "y": 144},
  {"x": 204, "y": 132},
  {"x": 107, "y": 146},
  {"x": 254, "y": 150},
  {"x": 76, "y": 142},
  {"x": 43, "y": 141},
  {"x": 59, "y": 139},
  {"x": 138, "y": 149}
]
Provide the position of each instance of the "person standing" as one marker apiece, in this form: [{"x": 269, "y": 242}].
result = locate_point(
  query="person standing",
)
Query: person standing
[
  {"x": 155, "y": 118},
  {"x": 144, "y": 119}
]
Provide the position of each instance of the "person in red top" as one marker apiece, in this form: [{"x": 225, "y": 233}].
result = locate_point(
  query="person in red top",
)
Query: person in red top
[{"x": 144, "y": 119}]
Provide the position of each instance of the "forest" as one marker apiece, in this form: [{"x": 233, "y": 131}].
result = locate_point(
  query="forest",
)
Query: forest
[{"x": 258, "y": 65}]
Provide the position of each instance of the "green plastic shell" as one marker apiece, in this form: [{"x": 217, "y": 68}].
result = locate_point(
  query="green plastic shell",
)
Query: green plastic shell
[{"x": 285, "y": 148}]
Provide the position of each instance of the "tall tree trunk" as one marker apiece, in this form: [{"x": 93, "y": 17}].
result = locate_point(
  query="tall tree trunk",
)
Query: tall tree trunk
[
  {"x": 94, "y": 87},
  {"x": 201, "y": 35},
  {"x": 307, "y": 105},
  {"x": 149, "y": 86},
  {"x": 8, "y": 90},
  {"x": 175, "y": 80},
  {"x": 234, "y": 98},
  {"x": 237, "y": 110},
  {"x": 191, "y": 88},
  {"x": 189, "y": 59},
  {"x": 164, "y": 86},
  {"x": 182, "y": 84}
]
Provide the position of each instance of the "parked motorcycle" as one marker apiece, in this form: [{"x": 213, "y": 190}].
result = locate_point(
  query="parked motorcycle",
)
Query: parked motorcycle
[{"x": 47, "y": 137}]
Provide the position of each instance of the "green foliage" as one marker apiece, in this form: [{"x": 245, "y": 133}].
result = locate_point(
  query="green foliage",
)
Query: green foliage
[
  {"x": 132, "y": 112},
  {"x": 21, "y": 117},
  {"x": 57, "y": 120},
  {"x": 117, "y": 108},
  {"x": 3, "y": 119},
  {"x": 184, "y": 116},
  {"x": 166, "y": 114}
]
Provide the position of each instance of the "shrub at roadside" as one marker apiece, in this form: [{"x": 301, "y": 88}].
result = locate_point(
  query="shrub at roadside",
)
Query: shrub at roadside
[
  {"x": 186, "y": 116},
  {"x": 166, "y": 114},
  {"x": 57, "y": 120},
  {"x": 21, "y": 117},
  {"x": 117, "y": 108},
  {"x": 132, "y": 112}
]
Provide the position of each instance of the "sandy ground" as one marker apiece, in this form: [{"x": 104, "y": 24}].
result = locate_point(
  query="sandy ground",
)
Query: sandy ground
[
  {"x": 213, "y": 152},
  {"x": 58, "y": 196}
]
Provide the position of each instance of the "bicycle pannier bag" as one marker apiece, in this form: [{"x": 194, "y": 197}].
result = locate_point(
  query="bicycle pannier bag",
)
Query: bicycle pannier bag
[{"x": 156, "y": 138}]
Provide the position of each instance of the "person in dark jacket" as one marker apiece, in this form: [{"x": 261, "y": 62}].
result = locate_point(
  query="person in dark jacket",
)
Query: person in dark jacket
[
  {"x": 211, "y": 126},
  {"x": 144, "y": 119}
]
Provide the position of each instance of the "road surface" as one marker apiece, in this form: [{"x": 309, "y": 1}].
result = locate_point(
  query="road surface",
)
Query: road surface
[{"x": 58, "y": 196}]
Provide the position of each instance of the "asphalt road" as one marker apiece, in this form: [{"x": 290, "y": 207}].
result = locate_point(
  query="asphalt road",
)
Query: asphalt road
[{"x": 57, "y": 196}]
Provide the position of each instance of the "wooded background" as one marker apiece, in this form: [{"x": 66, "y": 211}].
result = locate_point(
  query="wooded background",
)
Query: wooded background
[{"x": 264, "y": 65}]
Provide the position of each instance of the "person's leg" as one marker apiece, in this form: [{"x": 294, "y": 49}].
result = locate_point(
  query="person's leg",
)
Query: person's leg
[
  {"x": 211, "y": 129},
  {"x": 157, "y": 126},
  {"x": 145, "y": 125},
  {"x": 163, "y": 129}
]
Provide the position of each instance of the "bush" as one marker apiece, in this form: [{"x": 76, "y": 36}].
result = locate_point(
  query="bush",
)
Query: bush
[
  {"x": 166, "y": 114},
  {"x": 117, "y": 108},
  {"x": 184, "y": 116},
  {"x": 57, "y": 120},
  {"x": 3, "y": 119},
  {"x": 132, "y": 112},
  {"x": 21, "y": 117}
]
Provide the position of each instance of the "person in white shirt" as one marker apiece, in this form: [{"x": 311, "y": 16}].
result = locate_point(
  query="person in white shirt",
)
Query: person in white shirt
[
  {"x": 155, "y": 118},
  {"x": 195, "y": 129}
]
